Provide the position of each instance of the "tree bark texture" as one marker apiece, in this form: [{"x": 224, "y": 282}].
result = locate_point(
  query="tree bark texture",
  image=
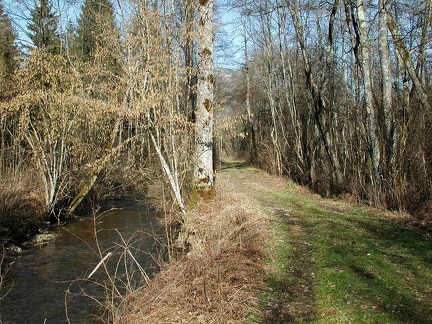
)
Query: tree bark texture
[
  {"x": 406, "y": 58},
  {"x": 203, "y": 173},
  {"x": 364, "y": 61},
  {"x": 387, "y": 92}
]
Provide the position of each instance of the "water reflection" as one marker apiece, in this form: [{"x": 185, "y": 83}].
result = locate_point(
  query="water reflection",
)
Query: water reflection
[{"x": 42, "y": 276}]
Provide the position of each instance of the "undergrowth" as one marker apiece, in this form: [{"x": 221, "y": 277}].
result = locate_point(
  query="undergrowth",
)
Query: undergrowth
[
  {"x": 220, "y": 278},
  {"x": 21, "y": 207},
  {"x": 268, "y": 251}
]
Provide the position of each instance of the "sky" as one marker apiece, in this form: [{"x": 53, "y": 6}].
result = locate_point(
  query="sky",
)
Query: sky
[
  {"x": 228, "y": 37},
  {"x": 228, "y": 30},
  {"x": 19, "y": 12}
]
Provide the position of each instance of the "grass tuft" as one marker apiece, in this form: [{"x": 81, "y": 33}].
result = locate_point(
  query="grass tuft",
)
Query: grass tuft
[
  {"x": 220, "y": 278},
  {"x": 21, "y": 207}
]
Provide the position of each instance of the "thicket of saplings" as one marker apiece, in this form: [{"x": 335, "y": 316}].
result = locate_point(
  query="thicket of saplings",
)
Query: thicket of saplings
[
  {"x": 92, "y": 115},
  {"x": 64, "y": 148}
]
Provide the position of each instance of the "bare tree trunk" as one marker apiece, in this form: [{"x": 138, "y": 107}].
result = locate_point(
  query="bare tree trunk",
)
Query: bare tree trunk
[
  {"x": 422, "y": 53},
  {"x": 317, "y": 96},
  {"x": 269, "y": 83},
  {"x": 203, "y": 173},
  {"x": 365, "y": 61},
  {"x": 406, "y": 57},
  {"x": 289, "y": 88},
  {"x": 274, "y": 134},
  {"x": 249, "y": 122},
  {"x": 189, "y": 7},
  {"x": 387, "y": 92},
  {"x": 172, "y": 176}
]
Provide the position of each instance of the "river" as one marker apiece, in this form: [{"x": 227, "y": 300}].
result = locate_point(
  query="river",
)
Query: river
[{"x": 49, "y": 282}]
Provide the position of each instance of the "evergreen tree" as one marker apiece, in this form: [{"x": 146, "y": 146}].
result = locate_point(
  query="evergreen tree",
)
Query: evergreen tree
[
  {"x": 8, "y": 54},
  {"x": 96, "y": 25},
  {"x": 43, "y": 27}
]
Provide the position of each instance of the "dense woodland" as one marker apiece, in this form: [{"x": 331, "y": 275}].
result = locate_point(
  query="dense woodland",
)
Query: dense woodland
[
  {"x": 337, "y": 97},
  {"x": 332, "y": 94}
]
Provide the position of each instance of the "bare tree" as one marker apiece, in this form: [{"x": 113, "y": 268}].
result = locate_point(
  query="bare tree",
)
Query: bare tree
[
  {"x": 407, "y": 59},
  {"x": 387, "y": 91},
  {"x": 319, "y": 98}
]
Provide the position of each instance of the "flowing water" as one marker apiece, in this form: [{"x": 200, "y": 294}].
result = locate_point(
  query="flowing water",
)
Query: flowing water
[{"x": 49, "y": 282}]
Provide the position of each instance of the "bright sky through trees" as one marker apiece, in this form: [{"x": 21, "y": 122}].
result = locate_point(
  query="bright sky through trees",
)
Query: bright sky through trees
[{"x": 228, "y": 37}]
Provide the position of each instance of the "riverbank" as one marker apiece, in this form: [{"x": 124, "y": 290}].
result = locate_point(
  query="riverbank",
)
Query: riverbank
[
  {"x": 220, "y": 276},
  {"x": 268, "y": 251},
  {"x": 128, "y": 230}
]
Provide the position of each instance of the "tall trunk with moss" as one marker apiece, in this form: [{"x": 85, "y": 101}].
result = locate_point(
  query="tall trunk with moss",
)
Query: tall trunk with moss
[{"x": 203, "y": 172}]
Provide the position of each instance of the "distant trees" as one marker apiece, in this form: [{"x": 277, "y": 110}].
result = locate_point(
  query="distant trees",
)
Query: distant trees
[{"x": 96, "y": 29}]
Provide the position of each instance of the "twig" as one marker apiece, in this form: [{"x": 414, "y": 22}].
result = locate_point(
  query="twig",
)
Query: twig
[
  {"x": 343, "y": 315},
  {"x": 99, "y": 264}
]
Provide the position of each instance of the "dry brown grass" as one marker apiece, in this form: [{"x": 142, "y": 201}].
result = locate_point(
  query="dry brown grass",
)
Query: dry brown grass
[
  {"x": 21, "y": 205},
  {"x": 220, "y": 278}
]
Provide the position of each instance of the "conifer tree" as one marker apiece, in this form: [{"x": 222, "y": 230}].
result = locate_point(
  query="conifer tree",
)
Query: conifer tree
[
  {"x": 43, "y": 27},
  {"x": 95, "y": 25},
  {"x": 8, "y": 54}
]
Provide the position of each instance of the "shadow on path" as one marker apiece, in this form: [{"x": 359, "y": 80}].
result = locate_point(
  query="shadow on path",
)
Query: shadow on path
[{"x": 232, "y": 164}]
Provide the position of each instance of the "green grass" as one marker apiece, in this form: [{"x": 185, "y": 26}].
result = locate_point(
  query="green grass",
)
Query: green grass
[
  {"x": 362, "y": 266},
  {"x": 232, "y": 164}
]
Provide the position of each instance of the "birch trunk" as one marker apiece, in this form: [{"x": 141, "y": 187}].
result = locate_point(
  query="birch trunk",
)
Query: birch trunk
[
  {"x": 203, "y": 172},
  {"x": 172, "y": 176}
]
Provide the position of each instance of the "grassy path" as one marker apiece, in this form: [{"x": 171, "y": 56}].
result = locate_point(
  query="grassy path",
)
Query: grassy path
[{"x": 336, "y": 262}]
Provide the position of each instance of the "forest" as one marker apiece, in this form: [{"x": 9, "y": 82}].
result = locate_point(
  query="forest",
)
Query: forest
[
  {"x": 337, "y": 97},
  {"x": 103, "y": 99},
  {"x": 334, "y": 95},
  {"x": 98, "y": 107}
]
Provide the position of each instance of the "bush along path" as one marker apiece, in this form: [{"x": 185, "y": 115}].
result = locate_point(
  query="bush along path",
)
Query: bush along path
[
  {"x": 268, "y": 251},
  {"x": 332, "y": 261}
]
